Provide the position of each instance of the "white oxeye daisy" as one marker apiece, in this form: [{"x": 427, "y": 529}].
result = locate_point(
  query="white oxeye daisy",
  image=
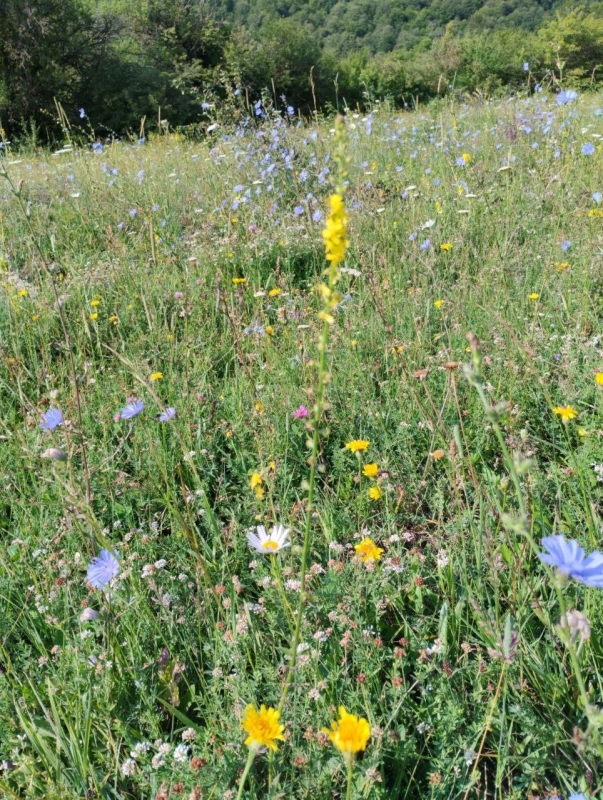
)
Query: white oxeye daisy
[{"x": 267, "y": 543}]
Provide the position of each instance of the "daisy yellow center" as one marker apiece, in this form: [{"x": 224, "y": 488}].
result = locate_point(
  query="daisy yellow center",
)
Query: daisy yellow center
[{"x": 270, "y": 545}]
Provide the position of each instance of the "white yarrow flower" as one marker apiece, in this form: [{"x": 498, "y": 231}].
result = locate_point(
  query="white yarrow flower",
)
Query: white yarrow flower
[{"x": 269, "y": 542}]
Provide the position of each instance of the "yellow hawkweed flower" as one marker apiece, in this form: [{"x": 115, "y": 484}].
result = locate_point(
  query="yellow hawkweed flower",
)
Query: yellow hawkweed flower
[
  {"x": 371, "y": 470},
  {"x": 335, "y": 233},
  {"x": 566, "y": 412},
  {"x": 94, "y": 316},
  {"x": 561, "y": 266},
  {"x": 533, "y": 296},
  {"x": 349, "y": 734},
  {"x": 375, "y": 493},
  {"x": 357, "y": 445},
  {"x": 599, "y": 378},
  {"x": 269, "y": 330},
  {"x": 237, "y": 281},
  {"x": 446, "y": 246},
  {"x": 113, "y": 319},
  {"x": 466, "y": 157},
  {"x": 157, "y": 376},
  {"x": 263, "y": 727},
  {"x": 438, "y": 303},
  {"x": 95, "y": 303},
  {"x": 367, "y": 549},
  {"x": 22, "y": 293},
  {"x": 274, "y": 292}
]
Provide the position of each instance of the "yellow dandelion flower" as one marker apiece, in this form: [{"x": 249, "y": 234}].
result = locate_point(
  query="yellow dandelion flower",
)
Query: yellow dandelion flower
[
  {"x": 349, "y": 734},
  {"x": 367, "y": 550},
  {"x": 94, "y": 316},
  {"x": 561, "y": 266},
  {"x": 566, "y": 412},
  {"x": 95, "y": 303},
  {"x": 259, "y": 492},
  {"x": 237, "y": 281},
  {"x": 263, "y": 727},
  {"x": 22, "y": 293},
  {"x": 259, "y": 407},
  {"x": 269, "y": 330},
  {"x": 157, "y": 376},
  {"x": 255, "y": 480},
  {"x": 375, "y": 493},
  {"x": 357, "y": 445},
  {"x": 113, "y": 319},
  {"x": 335, "y": 232},
  {"x": 466, "y": 157},
  {"x": 599, "y": 378},
  {"x": 371, "y": 470},
  {"x": 446, "y": 246},
  {"x": 533, "y": 296},
  {"x": 274, "y": 292},
  {"x": 438, "y": 303}
]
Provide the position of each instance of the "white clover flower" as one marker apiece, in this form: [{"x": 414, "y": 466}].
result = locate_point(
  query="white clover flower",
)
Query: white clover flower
[
  {"x": 181, "y": 753},
  {"x": 128, "y": 768},
  {"x": 269, "y": 542}
]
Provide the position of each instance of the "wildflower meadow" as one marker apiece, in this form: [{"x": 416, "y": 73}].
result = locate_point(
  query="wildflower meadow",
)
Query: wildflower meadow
[{"x": 302, "y": 458}]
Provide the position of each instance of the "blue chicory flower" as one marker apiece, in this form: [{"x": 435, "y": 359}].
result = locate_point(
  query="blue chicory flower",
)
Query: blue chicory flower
[
  {"x": 425, "y": 245},
  {"x": 565, "y": 246},
  {"x": 588, "y": 149},
  {"x": 51, "y": 419},
  {"x": 102, "y": 569},
  {"x": 167, "y": 415},
  {"x": 566, "y": 96},
  {"x": 132, "y": 409},
  {"x": 569, "y": 558}
]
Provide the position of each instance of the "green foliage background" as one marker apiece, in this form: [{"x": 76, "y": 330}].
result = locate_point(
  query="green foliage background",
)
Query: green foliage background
[{"x": 124, "y": 61}]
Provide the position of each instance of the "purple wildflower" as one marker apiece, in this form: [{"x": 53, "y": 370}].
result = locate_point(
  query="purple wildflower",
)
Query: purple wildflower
[
  {"x": 51, "y": 419},
  {"x": 102, "y": 569},
  {"x": 132, "y": 409}
]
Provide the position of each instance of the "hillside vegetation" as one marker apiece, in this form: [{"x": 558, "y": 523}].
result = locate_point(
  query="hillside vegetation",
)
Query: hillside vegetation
[{"x": 124, "y": 67}]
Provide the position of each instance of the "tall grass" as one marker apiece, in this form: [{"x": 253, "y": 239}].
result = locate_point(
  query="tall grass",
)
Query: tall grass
[{"x": 122, "y": 279}]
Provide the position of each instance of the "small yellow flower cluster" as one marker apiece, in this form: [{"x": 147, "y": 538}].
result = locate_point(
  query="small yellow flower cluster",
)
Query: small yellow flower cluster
[
  {"x": 255, "y": 484},
  {"x": 335, "y": 234}
]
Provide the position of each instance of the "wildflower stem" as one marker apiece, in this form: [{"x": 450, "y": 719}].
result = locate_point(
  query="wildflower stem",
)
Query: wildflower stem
[
  {"x": 248, "y": 764},
  {"x": 318, "y": 409},
  {"x": 348, "y": 793}
]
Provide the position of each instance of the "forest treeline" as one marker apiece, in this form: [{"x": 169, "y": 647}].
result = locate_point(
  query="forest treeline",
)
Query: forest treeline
[{"x": 111, "y": 63}]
